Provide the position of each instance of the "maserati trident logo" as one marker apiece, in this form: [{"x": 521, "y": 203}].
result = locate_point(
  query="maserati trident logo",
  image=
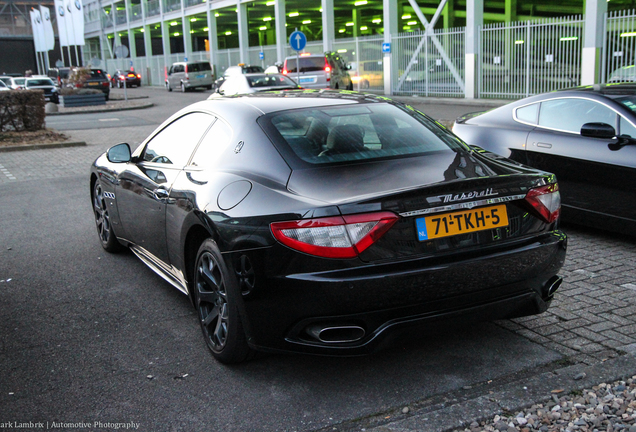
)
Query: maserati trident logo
[{"x": 461, "y": 197}]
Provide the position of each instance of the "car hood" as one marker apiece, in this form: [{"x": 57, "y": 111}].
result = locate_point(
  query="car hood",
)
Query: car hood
[{"x": 338, "y": 184}]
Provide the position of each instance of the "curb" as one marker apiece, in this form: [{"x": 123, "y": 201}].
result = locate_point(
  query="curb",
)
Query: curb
[
  {"x": 455, "y": 413},
  {"x": 42, "y": 146},
  {"x": 93, "y": 111}
]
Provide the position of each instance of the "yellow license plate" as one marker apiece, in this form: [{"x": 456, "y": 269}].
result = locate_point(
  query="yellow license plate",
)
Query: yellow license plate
[
  {"x": 462, "y": 222},
  {"x": 93, "y": 83}
]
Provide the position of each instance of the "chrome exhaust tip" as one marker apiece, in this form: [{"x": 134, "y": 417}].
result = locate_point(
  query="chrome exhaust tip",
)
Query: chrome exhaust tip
[
  {"x": 336, "y": 334},
  {"x": 552, "y": 286}
]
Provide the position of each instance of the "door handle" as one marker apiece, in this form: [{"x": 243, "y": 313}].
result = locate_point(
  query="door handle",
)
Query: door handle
[
  {"x": 160, "y": 193},
  {"x": 543, "y": 145}
]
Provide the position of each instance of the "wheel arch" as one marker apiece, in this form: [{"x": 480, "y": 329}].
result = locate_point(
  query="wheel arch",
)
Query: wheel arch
[{"x": 194, "y": 238}]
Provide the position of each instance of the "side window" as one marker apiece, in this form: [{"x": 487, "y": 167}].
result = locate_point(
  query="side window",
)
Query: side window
[
  {"x": 175, "y": 143},
  {"x": 626, "y": 128},
  {"x": 570, "y": 114},
  {"x": 528, "y": 114},
  {"x": 214, "y": 143}
]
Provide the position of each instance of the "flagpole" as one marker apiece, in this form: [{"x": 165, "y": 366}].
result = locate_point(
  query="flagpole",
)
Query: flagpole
[{"x": 79, "y": 63}]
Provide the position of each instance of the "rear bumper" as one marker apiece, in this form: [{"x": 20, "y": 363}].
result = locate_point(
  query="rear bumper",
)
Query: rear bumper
[{"x": 363, "y": 307}]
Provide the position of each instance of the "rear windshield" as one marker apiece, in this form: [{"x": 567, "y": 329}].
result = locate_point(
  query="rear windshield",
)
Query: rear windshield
[
  {"x": 628, "y": 101},
  {"x": 307, "y": 64},
  {"x": 97, "y": 73},
  {"x": 270, "y": 81},
  {"x": 199, "y": 67},
  {"x": 361, "y": 132}
]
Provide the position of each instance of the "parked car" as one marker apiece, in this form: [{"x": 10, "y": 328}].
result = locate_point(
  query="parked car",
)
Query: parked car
[
  {"x": 623, "y": 74},
  {"x": 256, "y": 82},
  {"x": 96, "y": 79},
  {"x": 585, "y": 135},
  {"x": 127, "y": 77},
  {"x": 319, "y": 71},
  {"x": 368, "y": 74},
  {"x": 59, "y": 75},
  {"x": 45, "y": 84},
  {"x": 3, "y": 86},
  {"x": 237, "y": 70},
  {"x": 328, "y": 222},
  {"x": 5, "y": 79},
  {"x": 16, "y": 83},
  {"x": 189, "y": 75}
]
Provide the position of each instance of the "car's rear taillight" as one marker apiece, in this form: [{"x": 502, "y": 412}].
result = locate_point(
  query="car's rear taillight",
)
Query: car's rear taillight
[
  {"x": 546, "y": 200},
  {"x": 334, "y": 237},
  {"x": 139, "y": 76}
]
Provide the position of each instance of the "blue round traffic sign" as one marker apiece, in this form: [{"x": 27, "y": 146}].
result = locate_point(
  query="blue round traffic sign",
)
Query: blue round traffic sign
[{"x": 298, "y": 40}]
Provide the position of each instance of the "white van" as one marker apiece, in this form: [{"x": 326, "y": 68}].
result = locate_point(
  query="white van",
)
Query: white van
[
  {"x": 189, "y": 75},
  {"x": 319, "y": 71}
]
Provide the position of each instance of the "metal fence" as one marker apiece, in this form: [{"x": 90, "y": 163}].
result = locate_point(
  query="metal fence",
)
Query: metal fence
[
  {"x": 429, "y": 64},
  {"x": 619, "y": 47},
  {"x": 524, "y": 58}
]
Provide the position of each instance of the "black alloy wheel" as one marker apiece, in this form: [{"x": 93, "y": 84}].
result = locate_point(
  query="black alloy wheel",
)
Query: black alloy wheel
[
  {"x": 168, "y": 86},
  {"x": 102, "y": 220},
  {"x": 216, "y": 303}
]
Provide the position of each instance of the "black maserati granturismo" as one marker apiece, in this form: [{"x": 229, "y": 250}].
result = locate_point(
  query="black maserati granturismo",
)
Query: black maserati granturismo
[{"x": 328, "y": 222}]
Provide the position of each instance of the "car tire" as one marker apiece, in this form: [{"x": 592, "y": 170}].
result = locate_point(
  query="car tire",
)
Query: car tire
[
  {"x": 112, "y": 84},
  {"x": 102, "y": 220},
  {"x": 350, "y": 86},
  {"x": 216, "y": 297},
  {"x": 168, "y": 86},
  {"x": 106, "y": 97}
]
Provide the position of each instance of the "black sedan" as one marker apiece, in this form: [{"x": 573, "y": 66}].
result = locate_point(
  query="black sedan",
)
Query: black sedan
[
  {"x": 583, "y": 135},
  {"x": 328, "y": 222},
  {"x": 126, "y": 78}
]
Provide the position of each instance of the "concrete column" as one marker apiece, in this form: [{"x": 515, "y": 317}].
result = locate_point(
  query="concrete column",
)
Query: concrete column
[
  {"x": 449, "y": 14},
  {"x": 243, "y": 31},
  {"x": 132, "y": 44},
  {"x": 390, "y": 20},
  {"x": 187, "y": 37},
  {"x": 354, "y": 16},
  {"x": 213, "y": 42},
  {"x": 510, "y": 11},
  {"x": 165, "y": 40},
  {"x": 280, "y": 19},
  {"x": 328, "y": 25},
  {"x": 474, "y": 21},
  {"x": 593, "y": 43},
  {"x": 148, "y": 41}
]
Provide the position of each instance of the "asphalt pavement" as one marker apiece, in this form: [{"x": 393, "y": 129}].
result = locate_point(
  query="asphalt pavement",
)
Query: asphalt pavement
[{"x": 89, "y": 338}]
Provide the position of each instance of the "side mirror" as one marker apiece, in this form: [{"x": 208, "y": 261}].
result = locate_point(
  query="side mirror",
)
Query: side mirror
[
  {"x": 119, "y": 153},
  {"x": 598, "y": 130}
]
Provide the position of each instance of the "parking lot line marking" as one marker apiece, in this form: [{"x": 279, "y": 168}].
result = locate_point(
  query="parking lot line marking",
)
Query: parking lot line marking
[
  {"x": 109, "y": 119},
  {"x": 7, "y": 172}
]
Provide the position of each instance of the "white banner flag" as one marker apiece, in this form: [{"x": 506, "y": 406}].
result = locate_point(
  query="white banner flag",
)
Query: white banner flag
[
  {"x": 49, "y": 36},
  {"x": 62, "y": 32},
  {"x": 78, "y": 21},
  {"x": 38, "y": 32},
  {"x": 70, "y": 29}
]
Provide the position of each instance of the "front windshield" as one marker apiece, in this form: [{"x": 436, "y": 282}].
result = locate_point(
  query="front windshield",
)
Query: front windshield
[
  {"x": 40, "y": 82},
  {"x": 360, "y": 132}
]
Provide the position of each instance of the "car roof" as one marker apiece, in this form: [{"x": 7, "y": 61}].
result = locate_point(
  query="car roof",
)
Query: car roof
[{"x": 283, "y": 100}]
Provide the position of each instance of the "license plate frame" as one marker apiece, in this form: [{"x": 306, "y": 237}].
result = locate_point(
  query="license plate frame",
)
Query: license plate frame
[{"x": 461, "y": 222}]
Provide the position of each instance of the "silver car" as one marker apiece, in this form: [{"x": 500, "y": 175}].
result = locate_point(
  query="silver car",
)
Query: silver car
[
  {"x": 319, "y": 71},
  {"x": 189, "y": 75},
  {"x": 256, "y": 82}
]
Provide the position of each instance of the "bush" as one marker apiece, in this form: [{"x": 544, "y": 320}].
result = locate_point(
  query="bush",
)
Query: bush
[
  {"x": 78, "y": 77},
  {"x": 22, "y": 110}
]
